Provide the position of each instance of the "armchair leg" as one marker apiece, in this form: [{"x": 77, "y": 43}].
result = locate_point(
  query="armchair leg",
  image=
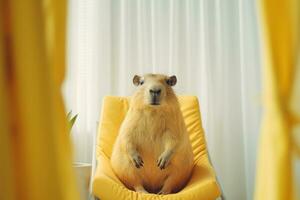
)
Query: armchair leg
[{"x": 222, "y": 193}]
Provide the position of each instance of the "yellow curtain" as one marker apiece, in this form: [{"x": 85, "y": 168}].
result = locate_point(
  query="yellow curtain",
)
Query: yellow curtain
[
  {"x": 280, "y": 25},
  {"x": 35, "y": 153}
]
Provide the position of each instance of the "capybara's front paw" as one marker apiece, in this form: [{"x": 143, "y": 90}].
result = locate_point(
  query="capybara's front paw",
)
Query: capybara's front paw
[
  {"x": 137, "y": 161},
  {"x": 163, "y": 161}
]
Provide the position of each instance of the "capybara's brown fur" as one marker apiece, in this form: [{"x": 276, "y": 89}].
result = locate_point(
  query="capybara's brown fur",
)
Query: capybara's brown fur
[{"x": 152, "y": 152}]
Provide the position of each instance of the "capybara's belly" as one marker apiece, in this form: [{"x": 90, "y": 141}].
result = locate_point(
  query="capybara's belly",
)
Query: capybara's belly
[{"x": 152, "y": 176}]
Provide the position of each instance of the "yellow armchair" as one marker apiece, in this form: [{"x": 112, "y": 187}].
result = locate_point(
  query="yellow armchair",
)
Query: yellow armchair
[{"x": 106, "y": 186}]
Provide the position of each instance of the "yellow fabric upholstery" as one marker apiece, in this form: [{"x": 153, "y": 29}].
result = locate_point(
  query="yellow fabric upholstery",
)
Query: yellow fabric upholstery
[{"x": 107, "y": 186}]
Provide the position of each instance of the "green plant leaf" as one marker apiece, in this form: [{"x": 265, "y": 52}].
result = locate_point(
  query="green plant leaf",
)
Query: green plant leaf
[
  {"x": 72, "y": 121},
  {"x": 69, "y": 115}
]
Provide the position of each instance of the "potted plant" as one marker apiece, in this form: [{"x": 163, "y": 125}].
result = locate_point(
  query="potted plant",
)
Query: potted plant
[{"x": 82, "y": 170}]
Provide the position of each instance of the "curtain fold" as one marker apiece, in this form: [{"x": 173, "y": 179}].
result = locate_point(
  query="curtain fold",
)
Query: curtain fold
[
  {"x": 35, "y": 149},
  {"x": 275, "y": 173}
]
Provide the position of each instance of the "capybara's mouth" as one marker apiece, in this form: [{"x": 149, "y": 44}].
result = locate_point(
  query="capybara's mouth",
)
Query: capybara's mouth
[{"x": 154, "y": 103}]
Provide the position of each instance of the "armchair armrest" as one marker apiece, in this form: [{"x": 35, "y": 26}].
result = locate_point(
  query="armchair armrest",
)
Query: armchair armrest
[
  {"x": 104, "y": 169},
  {"x": 105, "y": 183},
  {"x": 203, "y": 182}
]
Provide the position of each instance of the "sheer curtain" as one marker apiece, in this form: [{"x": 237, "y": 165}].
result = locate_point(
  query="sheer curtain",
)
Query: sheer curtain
[{"x": 211, "y": 45}]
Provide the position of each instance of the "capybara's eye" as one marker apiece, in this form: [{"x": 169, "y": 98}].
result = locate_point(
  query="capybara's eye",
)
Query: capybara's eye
[{"x": 142, "y": 82}]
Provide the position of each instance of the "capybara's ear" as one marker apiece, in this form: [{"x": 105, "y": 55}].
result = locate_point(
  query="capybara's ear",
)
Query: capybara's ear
[
  {"x": 172, "y": 80},
  {"x": 137, "y": 80}
]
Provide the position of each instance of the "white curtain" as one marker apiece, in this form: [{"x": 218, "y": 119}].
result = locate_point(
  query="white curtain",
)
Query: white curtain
[{"x": 212, "y": 46}]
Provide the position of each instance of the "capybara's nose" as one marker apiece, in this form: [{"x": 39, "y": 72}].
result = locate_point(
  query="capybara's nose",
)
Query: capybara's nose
[{"x": 155, "y": 93}]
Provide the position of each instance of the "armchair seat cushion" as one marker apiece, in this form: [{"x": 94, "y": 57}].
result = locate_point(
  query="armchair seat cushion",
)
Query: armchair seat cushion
[{"x": 106, "y": 186}]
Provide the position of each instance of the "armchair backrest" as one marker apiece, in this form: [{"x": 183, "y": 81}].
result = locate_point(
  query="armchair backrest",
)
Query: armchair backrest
[{"x": 114, "y": 110}]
